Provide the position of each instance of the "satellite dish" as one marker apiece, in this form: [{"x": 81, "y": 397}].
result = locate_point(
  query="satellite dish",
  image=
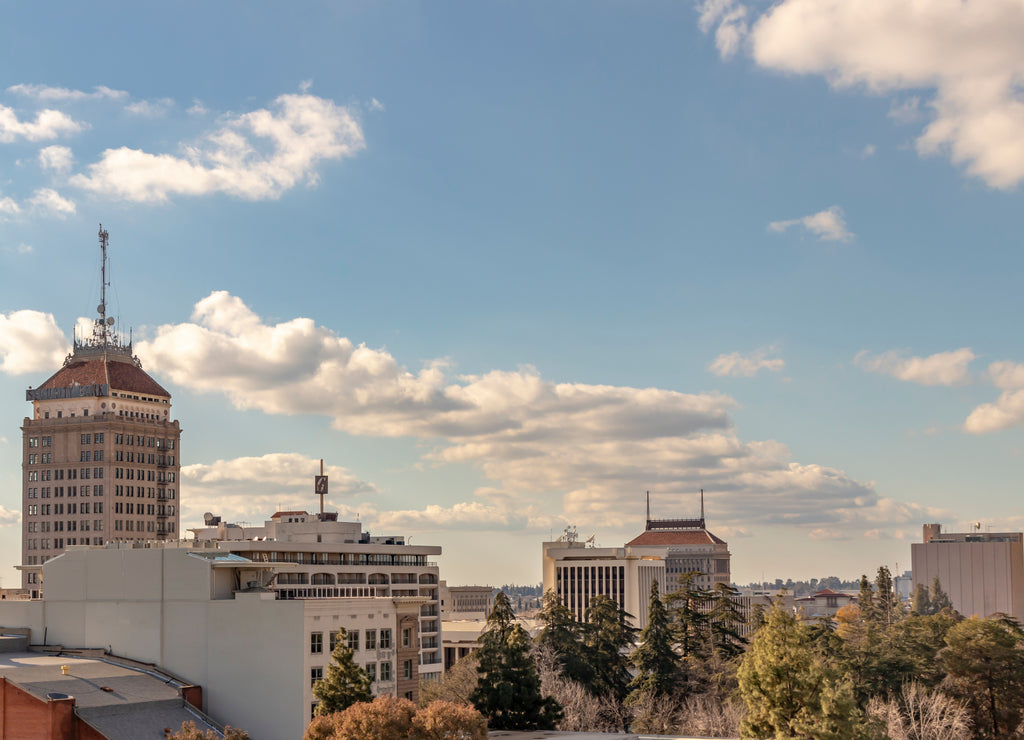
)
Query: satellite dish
[
  {"x": 110, "y": 321},
  {"x": 101, "y": 308}
]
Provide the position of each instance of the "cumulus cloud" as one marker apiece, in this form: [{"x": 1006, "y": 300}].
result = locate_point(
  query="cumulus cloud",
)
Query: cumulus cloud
[
  {"x": 48, "y": 124},
  {"x": 594, "y": 447},
  {"x": 827, "y": 225},
  {"x": 49, "y": 201},
  {"x": 8, "y": 207},
  {"x": 30, "y": 342},
  {"x": 942, "y": 368},
  {"x": 256, "y": 156},
  {"x": 737, "y": 365},
  {"x": 968, "y": 55},
  {"x": 45, "y": 93},
  {"x": 9, "y": 517},
  {"x": 1008, "y": 410},
  {"x": 868, "y": 151},
  {"x": 56, "y": 158},
  {"x": 242, "y": 488}
]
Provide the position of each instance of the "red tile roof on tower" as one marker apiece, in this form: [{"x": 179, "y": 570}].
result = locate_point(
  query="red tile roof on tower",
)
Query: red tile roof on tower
[
  {"x": 677, "y": 537},
  {"x": 122, "y": 376}
]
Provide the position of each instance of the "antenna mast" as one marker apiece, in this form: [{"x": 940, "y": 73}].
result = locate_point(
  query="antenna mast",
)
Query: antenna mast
[{"x": 102, "y": 308}]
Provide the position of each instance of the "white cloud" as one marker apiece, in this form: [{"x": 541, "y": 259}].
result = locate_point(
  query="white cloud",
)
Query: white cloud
[
  {"x": 737, "y": 365},
  {"x": 868, "y": 151},
  {"x": 1008, "y": 410},
  {"x": 197, "y": 108},
  {"x": 20, "y": 249},
  {"x": 8, "y": 207},
  {"x": 942, "y": 368},
  {"x": 730, "y": 21},
  {"x": 822, "y": 533},
  {"x": 252, "y": 488},
  {"x": 376, "y": 105},
  {"x": 150, "y": 108},
  {"x": 255, "y": 156},
  {"x": 30, "y": 342},
  {"x": 48, "y": 124},
  {"x": 56, "y": 158},
  {"x": 305, "y": 86},
  {"x": 827, "y": 225},
  {"x": 44, "y": 93},
  {"x": 49, "y": 201},
  {"x": 591, "y": 447},
  {"x": 9, "y": 517},
  {"x": 968, "y": 54},
  {"x": 909, "y": 111}
]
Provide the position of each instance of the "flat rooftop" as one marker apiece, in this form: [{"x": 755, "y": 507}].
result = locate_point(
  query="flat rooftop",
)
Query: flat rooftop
[{"x": 122, "y": 702}]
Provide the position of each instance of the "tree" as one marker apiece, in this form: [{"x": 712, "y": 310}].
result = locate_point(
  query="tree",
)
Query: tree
[
  {"x": 939, "y": 599},
  {"x": 384, "y": 718},
  {"x": 508, "y": 692},
  {"x": 456, "y": 684},
  {"x": 888, "y": 604},
  {"x": 920, "y": 603},
  {"x": 788, "y": 691},
  {"x": 562, "y": 635},
  {"x": 984, "y": 661},
  {"x": 917, "y": 714},
  {"x": 655, "y": 661},
  {"x": 608, "y": 636},
  {"x": 689, "y": 621},
  {"x": 345, "y": 683},
  {"x": 866, "y": 600},
  {"x": 189, "y": 731},
  {"x": 724, "y": 620},
  {"x": 447, "y": 720}
]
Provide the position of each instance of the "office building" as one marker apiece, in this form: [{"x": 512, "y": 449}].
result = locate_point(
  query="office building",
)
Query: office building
[
  {"x": 101, "y": 454},
  {"x": 981, "y": 572}
]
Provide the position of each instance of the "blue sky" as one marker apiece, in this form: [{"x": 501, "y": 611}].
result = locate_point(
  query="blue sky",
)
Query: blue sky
[{"x": 506, "y": 266}]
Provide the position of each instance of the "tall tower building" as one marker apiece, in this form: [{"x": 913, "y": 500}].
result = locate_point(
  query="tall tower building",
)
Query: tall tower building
[{"x": 101, "y": 456}]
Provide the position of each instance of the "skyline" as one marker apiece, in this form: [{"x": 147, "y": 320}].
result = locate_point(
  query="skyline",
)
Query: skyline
[{"x": 507, "y": 268}]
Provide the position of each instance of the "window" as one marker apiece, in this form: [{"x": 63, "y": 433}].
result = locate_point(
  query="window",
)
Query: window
[
  {"x": 33, "y": 441},
  {"x": 47, "y": 441},
  {"x": 334, "y": 635},
  {"x": 98, "y": 438},
  {"x": 371, "y": 639},
  {"x": 371, "y": 671},
  {"x": 407, "y": 669},
  {"x": 316, "y": 642},
  {"x": 385, "y": 671},
  {"x": 98, "y": 455},
  {"x": 406, "y": 637},
  {"x": 86, "y": 455},
  {"x": 87, "y": 439},
  {"x": 385, "y": 638},
  {"x": 315, "y": 674},
  {"x": 353, "y": 640}
]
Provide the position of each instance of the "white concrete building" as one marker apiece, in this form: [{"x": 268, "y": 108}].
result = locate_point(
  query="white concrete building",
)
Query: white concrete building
[
  {"x": 981, "y": 572},
  {"x": 314, "y": 556},
  {"x": 190, "y": 612}
]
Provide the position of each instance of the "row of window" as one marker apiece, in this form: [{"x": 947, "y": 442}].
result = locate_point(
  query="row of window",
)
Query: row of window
[
  {"x": 130, "y": 525},
  {"x": 40, "y": 441},
  {"x": 72, "y": 525},
  {"x": 149, "y": 459},
  {"x": 316, "y": 640},
  {"x": 58, "y": 544},
  {"x": 150, "y": 509},
  {"x": 162, "y": 494},
  {"x": 316, "y": 673},
  {"x": 87, "y": 439},
  {"x": 83, "y": 508},
  {"x": 132, "y": 440},
  {"x": 71, "y": 474},
  {"x": 58, "y": 491},
  {"x": 335, "y": 558},
  {"x": 151, "y": 475}
]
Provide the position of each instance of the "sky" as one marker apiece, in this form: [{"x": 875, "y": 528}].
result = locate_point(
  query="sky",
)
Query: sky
[{"x": 508, "y": 266}]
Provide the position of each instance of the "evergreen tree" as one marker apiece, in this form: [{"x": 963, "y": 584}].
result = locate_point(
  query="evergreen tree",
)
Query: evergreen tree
[
  {"x": 725, "y": 620},
  {"x": 607, "y": 637},
  {"x": 788, "y": 691},
  {"x": 887, "y": 604},
  {"x": 866, "y": 600},
  {"x": 920, "y": 603},
  {"x": 656, "y": 663},
  {"x": 508, "y": 693},
  {"x": 939, "y": 599},
  {"x": 689, "y": 621},
  {"x": 563, "y": 635},
  {"x": 345, "y": 683},
  {"x": 984, "y": 659}
]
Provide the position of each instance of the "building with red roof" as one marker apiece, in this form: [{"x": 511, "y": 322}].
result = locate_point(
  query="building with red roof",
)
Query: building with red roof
[{"x": 100, "y": 451}]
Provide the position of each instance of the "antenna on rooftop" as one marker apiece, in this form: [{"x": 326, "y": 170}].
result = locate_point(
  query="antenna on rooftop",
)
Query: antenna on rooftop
[
  {"x": 648, "y": 506},
  {"x": 702, "y": 506},
  {"x": 104, "y": 322},
  {"x": 320, "y": 487}
]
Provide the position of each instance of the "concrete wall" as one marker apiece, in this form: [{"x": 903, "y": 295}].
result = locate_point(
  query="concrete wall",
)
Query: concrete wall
[{"x": 981, "y": 578}]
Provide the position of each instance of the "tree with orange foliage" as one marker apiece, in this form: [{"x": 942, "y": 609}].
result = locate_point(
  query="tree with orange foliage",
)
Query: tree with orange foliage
[{"x": 448, "y": 720}]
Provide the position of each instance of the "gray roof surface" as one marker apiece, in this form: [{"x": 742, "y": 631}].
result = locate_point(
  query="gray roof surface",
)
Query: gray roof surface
[{"x": 121, "y": 702}]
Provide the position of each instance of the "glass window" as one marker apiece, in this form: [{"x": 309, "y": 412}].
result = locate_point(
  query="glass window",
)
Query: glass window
[
  {"x": 371, "y": 671},
  {"x": 315, "y": 674},
  {"x": 371, "y": 639},
  {"x": 353, "y": 640},
  {"x": 334, "y": 635},
  {"x": 316, "y": 642},
  {"x": 407, "y": 669},
  {"x": 385, "y": 671},
  {"x": 406, "y": 637},
  {"x": 385, "y": 638}
]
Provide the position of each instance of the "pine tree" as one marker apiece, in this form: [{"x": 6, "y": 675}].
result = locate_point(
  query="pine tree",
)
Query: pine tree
[
  {"x": 345, "y": 683},
  {"x": 656, "y": 663},
  {"x": 866, "y": 600},
  {"x": 689, "y": 621},
  {"x": 920, "y": 603},
  {"x": 886, "y": 596},
  {"x": 607, "y": 637},
  {"x": 563, "y": 635},
  {"x": 939, "y": 598},
  {"x": 508, "y": 693},
  {"x": 725, "y": 619}
]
